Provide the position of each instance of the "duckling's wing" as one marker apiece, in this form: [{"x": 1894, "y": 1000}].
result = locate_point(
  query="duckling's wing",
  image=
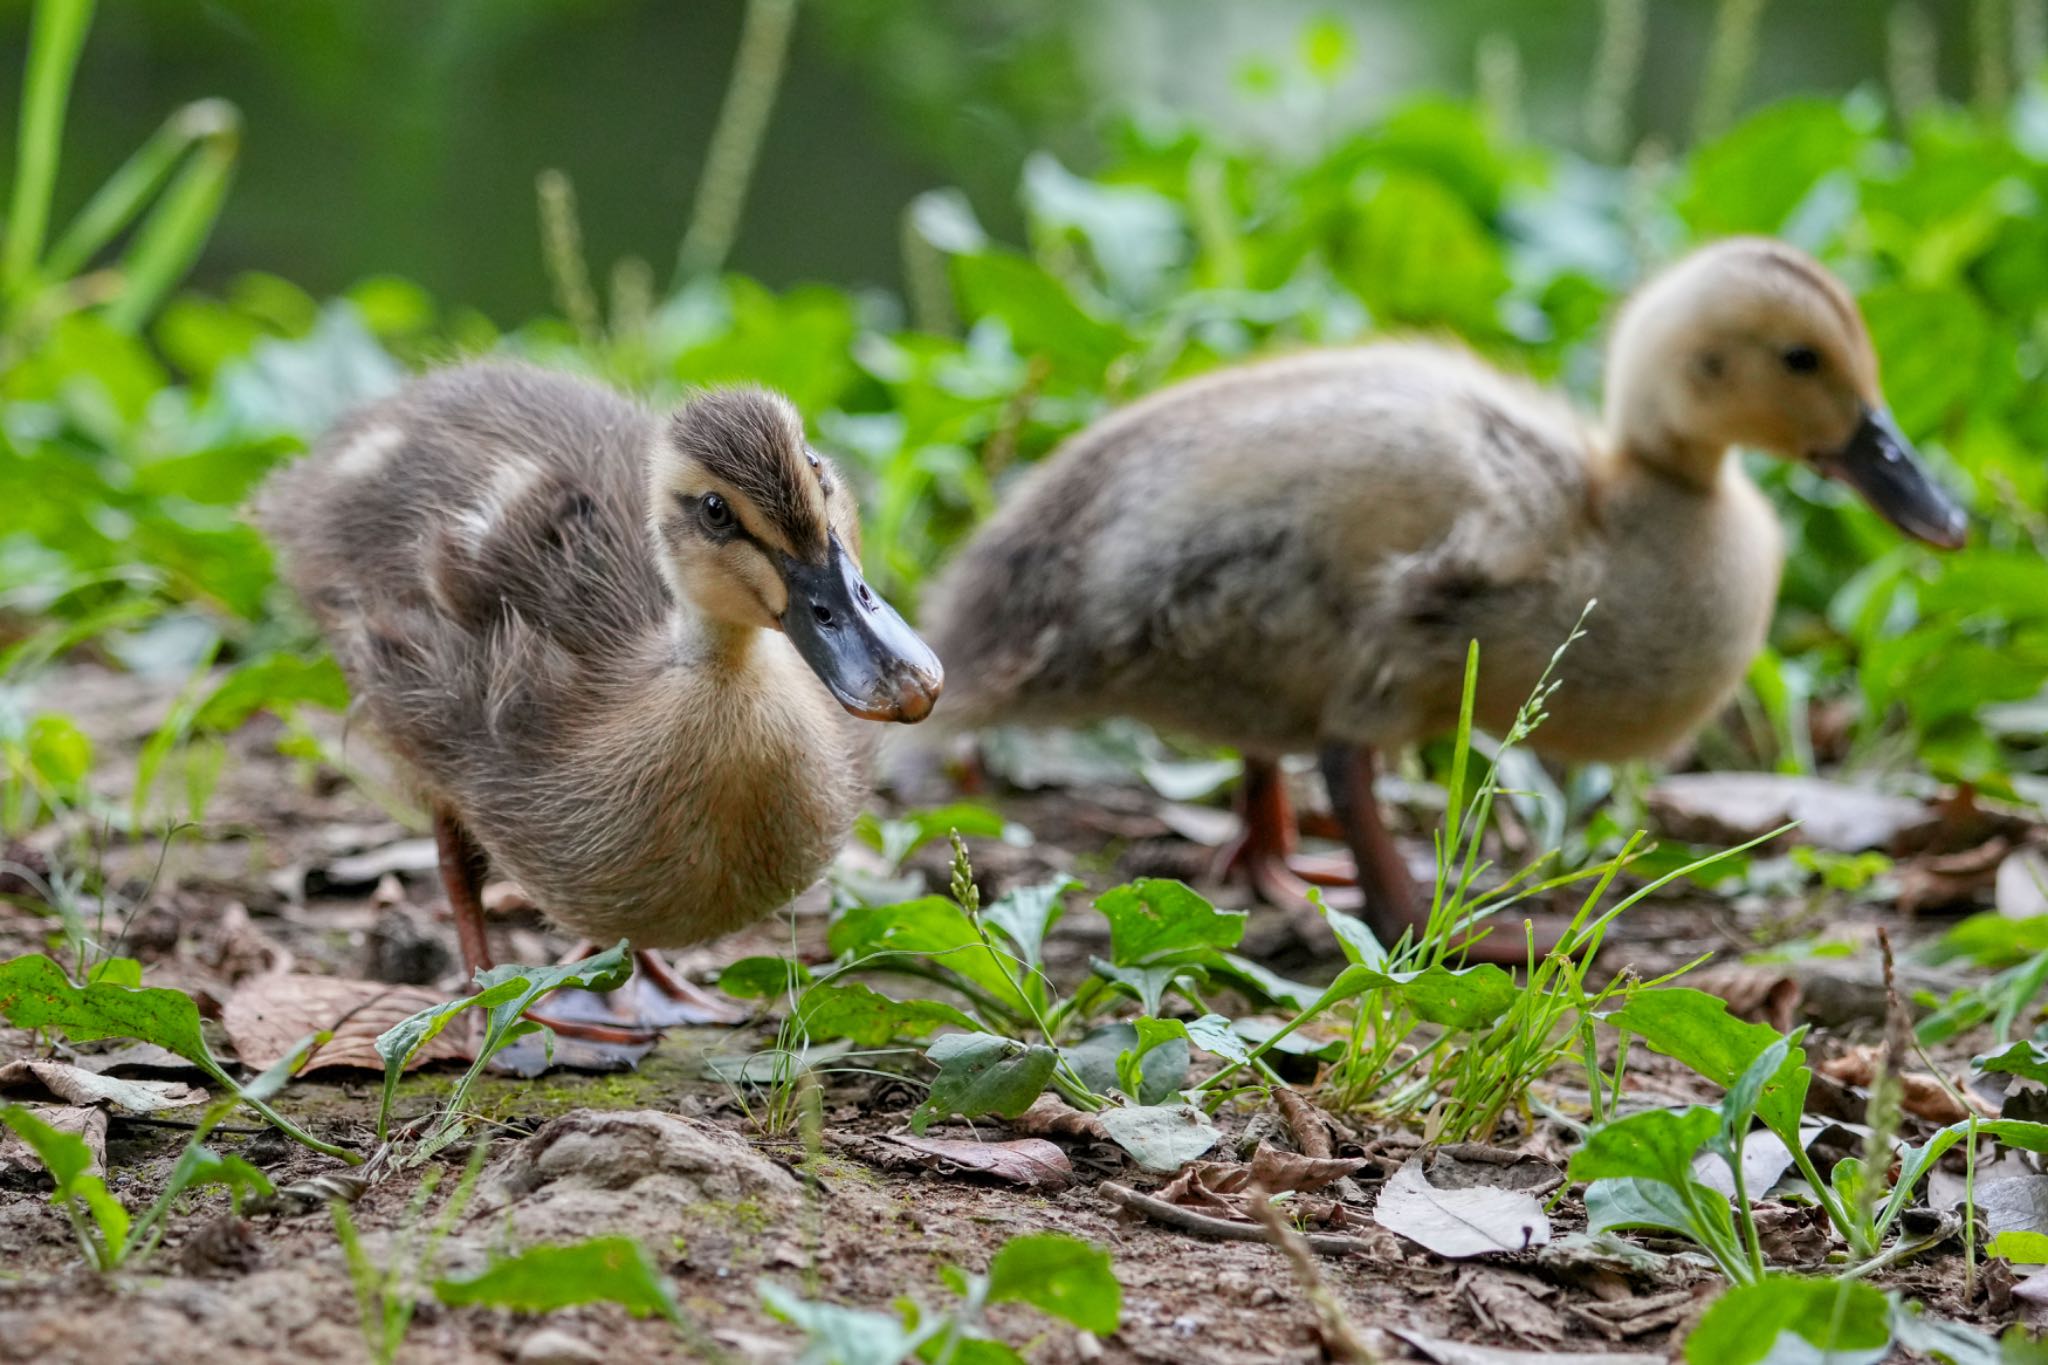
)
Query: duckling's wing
[{"x": 475, "y": 549}]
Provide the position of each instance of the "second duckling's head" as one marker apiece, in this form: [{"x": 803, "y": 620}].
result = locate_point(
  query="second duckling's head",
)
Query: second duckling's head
[
  {"x": 759, "y": 530},
  {"x": 1750, "y": 342}
]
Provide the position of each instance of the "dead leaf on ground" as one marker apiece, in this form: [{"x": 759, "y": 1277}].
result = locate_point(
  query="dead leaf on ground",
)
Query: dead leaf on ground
[
  {"x": 1032, "y": 1163},
  {"x": 1051, "y": 1116},
  {"x": 1727, "y": 808},
  {"x": 1754, "y": 994},
  {"x": 76, "y": 1085},
  {"x": 1512, "y": 1304},
  {"x": 90, "y": 1123},
  {"x": 1283, "y": 1172},
  {"x": 266, "y": 1017},
  {"x": 1478, "y": 1221},
  {"x": 1935, "y": 881},
  {"x": 1462, "y": 1165},
  {"x": 1921, "y": 1095},
  {"x": 2022, "y": 885}
]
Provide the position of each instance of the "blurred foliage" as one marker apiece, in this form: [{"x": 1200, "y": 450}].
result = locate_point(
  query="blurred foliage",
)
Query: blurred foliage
[{"x": 124, "y": 453}]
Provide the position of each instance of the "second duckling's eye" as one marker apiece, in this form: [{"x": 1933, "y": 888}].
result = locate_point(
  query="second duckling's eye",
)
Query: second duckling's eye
[
  {"x": 715, "y": 512},
  {"x": 1802, "y": 360}
]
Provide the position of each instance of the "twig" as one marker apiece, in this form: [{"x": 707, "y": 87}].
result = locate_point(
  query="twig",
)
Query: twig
[
  {"x": 1223, "y": 1229},
  {"x": 1340, "y": 1338}
]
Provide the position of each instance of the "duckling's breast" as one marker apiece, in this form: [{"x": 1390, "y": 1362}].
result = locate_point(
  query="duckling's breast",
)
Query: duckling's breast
[{"x": 714, "y": 795}]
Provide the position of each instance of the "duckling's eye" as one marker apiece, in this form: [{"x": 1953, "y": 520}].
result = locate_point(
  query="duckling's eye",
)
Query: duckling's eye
[
  {"x": 715, "y": 512},
  {"x": 1802, "y": 360}
]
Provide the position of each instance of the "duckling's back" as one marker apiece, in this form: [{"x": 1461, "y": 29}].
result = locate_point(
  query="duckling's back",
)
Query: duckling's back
[
  {"x": 473, "y": 548},
  {"x": 1270, "y": 554}
]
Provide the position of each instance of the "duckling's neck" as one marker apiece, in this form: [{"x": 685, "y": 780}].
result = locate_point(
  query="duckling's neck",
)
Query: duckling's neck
[
  {"x": 1640, "y": 434},
  {"x": 703, "y": 641}
]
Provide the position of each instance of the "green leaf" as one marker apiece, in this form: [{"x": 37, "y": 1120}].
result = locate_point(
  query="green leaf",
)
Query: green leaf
[
  {"x": 2026, "y": 1059},
  {"x": 69, "y": 1162},
  {"x": 1213, "y": 1033},
  {"x": 1060, "y": 1275},
  {"x": 1697, "y": 1029},
  {"x": 1361, "y": 948},
  {"x": 1657, "y": 1144},
  {"x": 1147, "y": 984},
  {"x": 204, "y": 1166},
  {"x": 2020, "y": 1246},
  {"x": 546, "y": 1278},
  {"x": 1155, "y": 1065},
  {"x": 931, "y": 927},
  {"x": 1161, "y": 1137},
  {"x": 981, "y": 1073},
  {"x": 896, "y": 839},
  {"x": 763, "y": 978},
  {"x": 1751, "y": 178},
  {"x": 1042, "y": 315},
  {"x": 1101, "y": 1057},
  {"x": 1025, "y": 916},
  {"x": 1848, "y": 1320},
  {"x": 1156, "y": 918},
  {"x": 275, "y": 682},
  {"x": 1459, "y": 998},
  {"x": 1613, "y": 1205},
  {"x": 504, "y": 994},
  {"x": 867, "y": 1018},
  {"x": 847, "y": 1336}
]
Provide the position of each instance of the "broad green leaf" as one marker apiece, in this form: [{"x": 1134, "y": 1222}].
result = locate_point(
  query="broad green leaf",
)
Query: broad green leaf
[
  {"x": 1455, "y": 997},
  {"x": 1626, "y": 1202},
  {"x": 35, "y": 994},
  {"x": 1098, "y": 1059},
  {"x": 204, "y": 1166},
  {"x": 1697, "y": 1029},
  {"x": 1361, "y": 948},
  {"x": 1848, "y": 1320},
  {"x": 847, "y": 1336},
  {"x": 1156, "y": 918},
  {"x": 2021, "y": 1247},
  {"x": 2026, "y": 1058},
  {"x": 1657, "y": 1144},
  {"x": 1042, "y": 316},
  {"x": 1213, "y": 1033},
  {"x": 546, "y": 1278},
  {"x": 1147, "y": 984},
  {"x": 1738, "y": 1106},
  {"x": 763, "y": 978},
  {"x": 981, "y": 1073},
  {"x": 867, "y": 1018},
  {"x": 275, "y": 682},
  {"x": 931, "y": 927},
  {"x": 1751, "y": 178},
  {"x": 1025, "y": 916},
  {"x": 1061, "y": 1275},
  {"x": 1155, "y": 1065}
]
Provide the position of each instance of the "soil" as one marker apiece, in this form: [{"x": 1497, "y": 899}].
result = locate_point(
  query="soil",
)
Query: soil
[{"x": 672, "y": 1155}]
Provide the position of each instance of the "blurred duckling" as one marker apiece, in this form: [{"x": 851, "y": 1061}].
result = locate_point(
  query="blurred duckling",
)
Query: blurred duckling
[
  {"x": 627, "y": 659},
  {"x": 1294, "y": 554}
]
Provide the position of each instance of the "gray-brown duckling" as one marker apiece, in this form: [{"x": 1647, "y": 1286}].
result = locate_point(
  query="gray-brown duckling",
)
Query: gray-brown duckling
[
  {"x": 1294, "y": 554},
  {"x": 627, "y": 659}
]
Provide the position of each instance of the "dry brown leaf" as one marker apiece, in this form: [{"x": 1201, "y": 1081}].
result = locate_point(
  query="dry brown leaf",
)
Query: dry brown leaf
[
  {"x": 1756, "y": 995},
  {"x": 76, "y": 1085},
  {"x": 266, "y": 1017},
  {"x": 1032, "y": 1163},
  {"x": 1051, "y": 1116},
  {"x": 1921, "y": 1095},
  {"x": 1281, "y": 1172},
  {"x": 1935, "y": 881},
  {"x": 89, "y": 1123}
]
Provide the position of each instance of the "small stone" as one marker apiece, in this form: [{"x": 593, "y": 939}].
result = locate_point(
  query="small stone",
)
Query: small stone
[
  {"x": 553, "y": 1346},
  {"x": 404, "y": 949}
]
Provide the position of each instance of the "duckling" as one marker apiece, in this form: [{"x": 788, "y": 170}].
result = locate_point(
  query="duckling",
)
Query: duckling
[
  {"x": 1294, "y": 553},
  {"x": 626, "y": 659}
]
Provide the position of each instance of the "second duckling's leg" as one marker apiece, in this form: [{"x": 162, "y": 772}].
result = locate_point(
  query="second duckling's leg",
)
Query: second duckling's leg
[
  {"x": 1264, "y": 851},
  {"x": 1394, "y": 905}
]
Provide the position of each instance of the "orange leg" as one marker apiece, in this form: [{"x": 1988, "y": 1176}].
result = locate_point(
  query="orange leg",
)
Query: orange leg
[
  {"x": 1264, "y": 853},
  {"x": 1394, "y": 905}
]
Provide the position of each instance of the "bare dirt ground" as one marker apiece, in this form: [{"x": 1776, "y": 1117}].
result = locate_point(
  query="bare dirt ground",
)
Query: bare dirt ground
[{"x": 669, "y": 1154}]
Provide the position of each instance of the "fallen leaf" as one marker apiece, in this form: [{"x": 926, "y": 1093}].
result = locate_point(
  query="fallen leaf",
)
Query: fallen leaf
[
  {"x": 1765, "y": 1159},
  {"x": 1755, "y": 994},
  {"x": 2022, "y": 885},
  {"x": 76, "y": 1085},
  {"x": 1921, "y": 1095},
  {"x": 2017, "y": 1205},
  {"x": 1936, "y": 881},
  {"x": 267, "y": 1016},
  {"x": 1282, "y": 1172},
  {"x": 1159, "y": 1137},
  {"x": 1728, "y": 808},
  {"x": 1051, "y": 1116},
  {"x": 1512, "y": 1303},
  {"x": 1479, "y": 1221},
  {"x": 16, "y": 1156},
  {"x": 360, "y": 871},
  {"x": 1032, "y": 1163},
  {"x": 1461, "y": 1165}
]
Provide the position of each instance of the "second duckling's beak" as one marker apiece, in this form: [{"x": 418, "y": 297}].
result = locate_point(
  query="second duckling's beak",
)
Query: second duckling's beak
[
  {"x": 1881, "y": 464},
  {"x": 870, "y": 658}
]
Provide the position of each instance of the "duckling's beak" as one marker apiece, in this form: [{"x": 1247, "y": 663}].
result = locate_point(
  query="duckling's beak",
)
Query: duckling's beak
[
  {"x": 870, "y": 658},
  {"x": 1881, "y": 464}
]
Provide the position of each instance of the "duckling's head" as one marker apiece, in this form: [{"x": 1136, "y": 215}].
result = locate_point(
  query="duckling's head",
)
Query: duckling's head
[
  {"x": 1750, "y": 342},
  {"x": 760, "y": 531}
]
